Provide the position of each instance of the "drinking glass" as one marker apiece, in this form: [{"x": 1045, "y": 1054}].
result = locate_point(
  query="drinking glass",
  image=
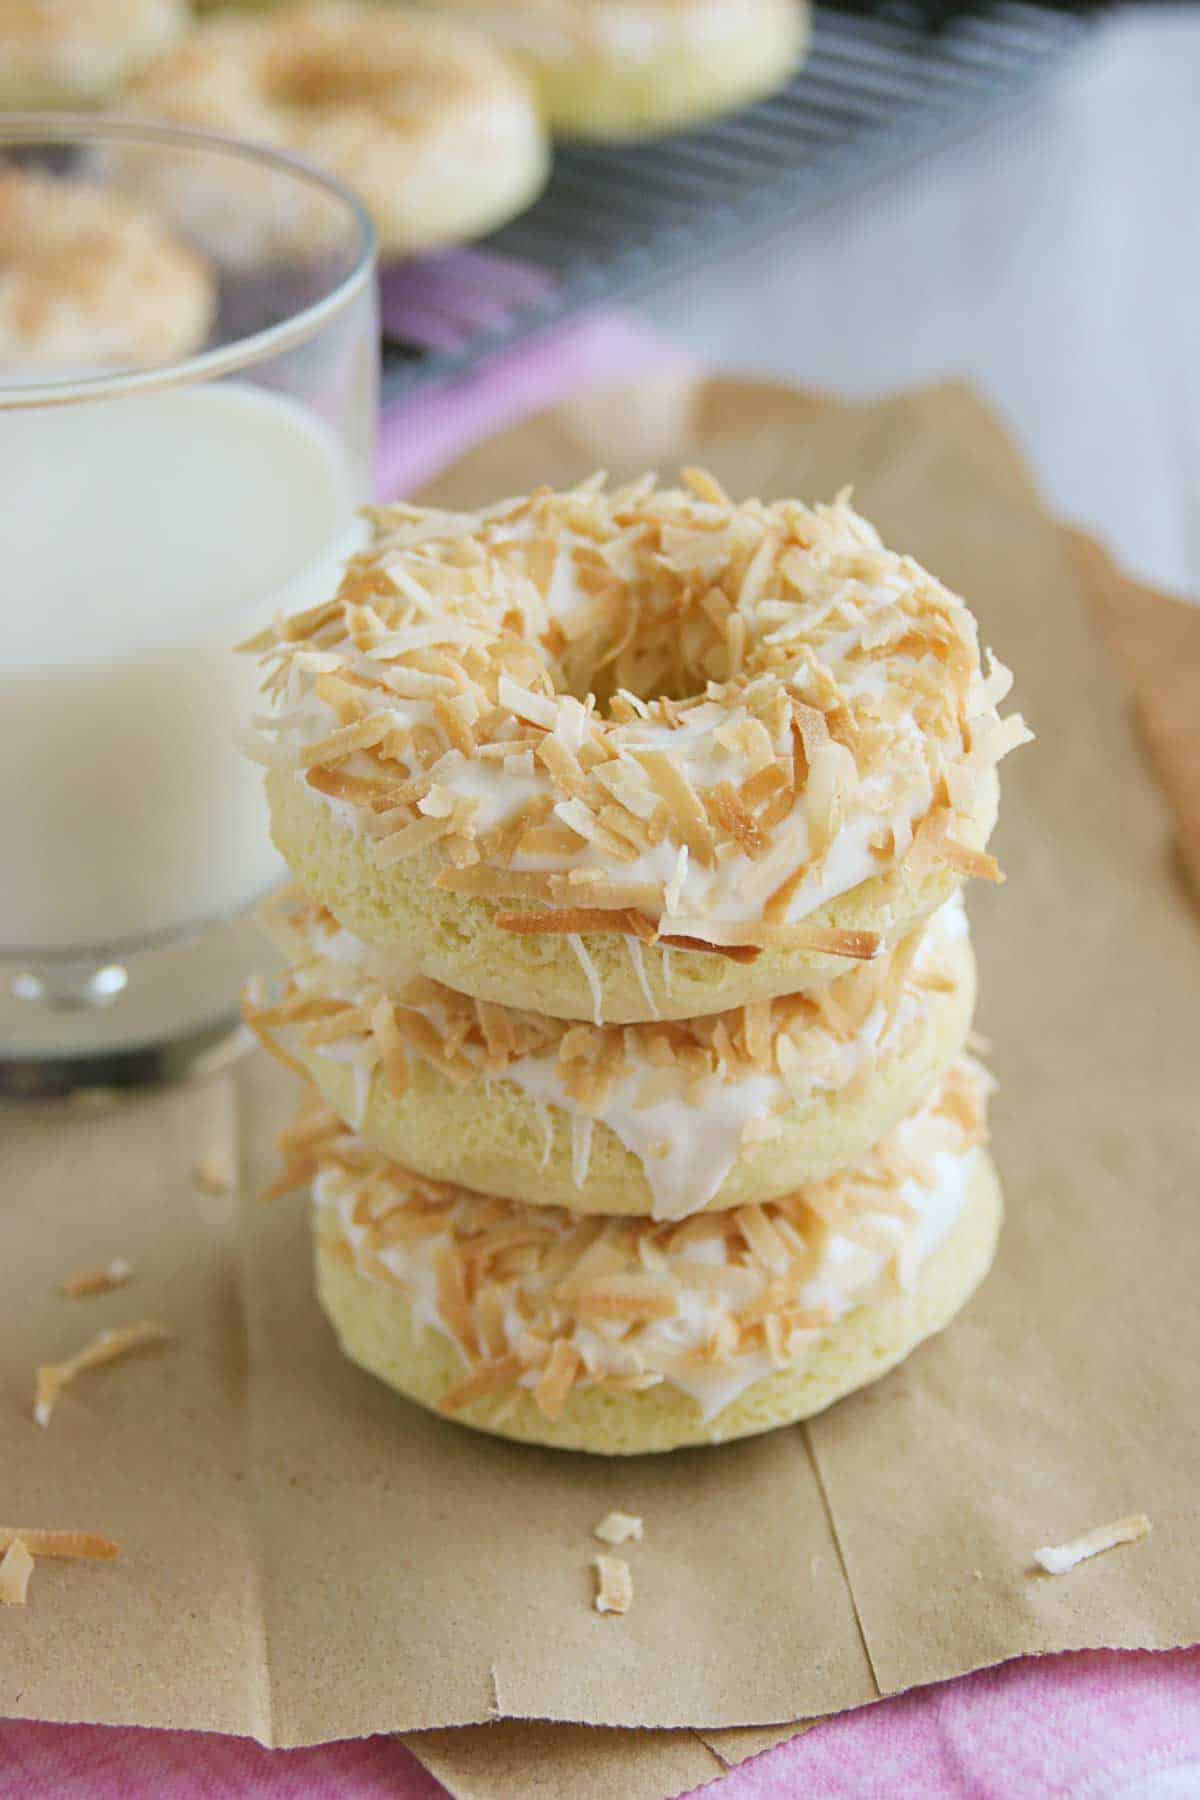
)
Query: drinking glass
[{"x": 150, "y": 518}]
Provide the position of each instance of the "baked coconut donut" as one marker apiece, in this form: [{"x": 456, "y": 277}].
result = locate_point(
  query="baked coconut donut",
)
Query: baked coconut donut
[
  {"x": 631, "y": 755},
  {"x": 91, "y": 281},
  {"x": 621, "y": 1336},
  {"x": 432, "y": 125},
  {"x": 662, "y": 1119},
  {"x": 70, "y": 53},
  {"x": 620, "y": 69}
]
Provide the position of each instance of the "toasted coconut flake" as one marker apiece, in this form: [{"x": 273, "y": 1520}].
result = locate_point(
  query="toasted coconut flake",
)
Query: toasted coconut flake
[
  {"x": 487, "y": 1378},
  {"x": 85, "y": 1283},
  {"x": 764, "y": 1241},
  {"x": 344, "y": 742},
  {"x": 739, "y": 953},
  {"x": 450, "y": 718},
  {"x": 106, "y": 1347},
  {"x": 926, "y": 847},
  {"x": 858, "y": 946},
  {"x": 705, "y": 486},
  {"x": 409, "y": 839},
  {"x": 758, "y": 571},
  {"x": 87, "y": 1546},
  {"x": 618, "y": 1528},
  {"x": 349, "y": 1022},
  {"x": 579, "y": 921},
  {"x": 764, "y": 785},
  {"x": 212, "y": 1174},
  {"x": 813, "y": 728},
  {"x": 623, "y": 1297},
  {"x": 742, "y": 826},
  {"x": 537, "y": 709},
  {"x": 1060, "y": 1559},
  {"x": 557, "y": 1379},
  {"x": 16, "y": 1567},
  {"x": 388, "y": 1036},
  {"x": 976, "y": 863},
  {"x": 497, "y": 884},
  {"x": 563, "y": 766},
  {"x": 614, "y": 1585},
  {"x": 682, "y": 802}
]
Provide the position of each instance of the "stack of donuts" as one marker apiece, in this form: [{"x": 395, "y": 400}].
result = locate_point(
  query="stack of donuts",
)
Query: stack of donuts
[{"x": 628, "y": 971}]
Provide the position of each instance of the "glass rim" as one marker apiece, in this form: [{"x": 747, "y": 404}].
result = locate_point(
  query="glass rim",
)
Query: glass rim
[{"x": 59, "y": 128}]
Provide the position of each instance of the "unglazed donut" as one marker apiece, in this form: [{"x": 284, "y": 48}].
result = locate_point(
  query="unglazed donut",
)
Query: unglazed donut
[
  {"x": 747, "y": 738},
  {"x": 432, "y": 125},
  {"x": 67, "y": 53},
  {"x": 619, "y": 69},
  {"x": 91, "y": 281},
  {"x": 622, "y": 1336},
  {"x": 658, "y": 1119}
]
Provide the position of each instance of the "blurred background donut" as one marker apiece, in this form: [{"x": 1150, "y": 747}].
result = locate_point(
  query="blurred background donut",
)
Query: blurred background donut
[
  {"x": 89, "y": 280},
  {"x": 618, "y": 69},
  {"x": 67, "y": 53},
  {"x": 431, "y": 123}
]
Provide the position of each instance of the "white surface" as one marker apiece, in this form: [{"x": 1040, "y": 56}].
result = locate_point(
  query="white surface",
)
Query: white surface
[
  {"x": 1054, "y": 260},
  {"x": 149, "y": 534}
]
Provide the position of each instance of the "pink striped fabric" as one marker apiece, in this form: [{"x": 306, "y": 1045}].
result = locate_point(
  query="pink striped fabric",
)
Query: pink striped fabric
[{"x": 1102, "y": 1725}]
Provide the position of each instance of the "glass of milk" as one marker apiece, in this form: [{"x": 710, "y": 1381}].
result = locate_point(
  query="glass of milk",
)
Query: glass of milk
[{"x": 150, "y": 518}]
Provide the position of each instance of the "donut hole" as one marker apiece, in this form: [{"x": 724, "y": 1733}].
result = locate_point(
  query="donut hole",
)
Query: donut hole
[
  {"x": 308, "y": 79},
  {"x": 664, "y": 642}
]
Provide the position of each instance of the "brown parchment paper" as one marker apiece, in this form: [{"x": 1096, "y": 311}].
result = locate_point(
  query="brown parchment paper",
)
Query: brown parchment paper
[{"x": 307, "y": 1557}]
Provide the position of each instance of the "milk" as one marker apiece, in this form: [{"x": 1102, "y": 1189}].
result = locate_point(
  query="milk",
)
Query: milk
[{"x": 139, "y": 540}]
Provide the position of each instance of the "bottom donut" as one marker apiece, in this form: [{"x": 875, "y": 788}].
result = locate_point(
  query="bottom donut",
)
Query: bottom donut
[{"x": 624, "y": 1336}]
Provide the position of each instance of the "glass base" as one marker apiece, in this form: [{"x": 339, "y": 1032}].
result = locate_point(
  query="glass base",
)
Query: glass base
[
  {"x": 53, "y": 1078},
  {"x": 129, "y": 1020}
]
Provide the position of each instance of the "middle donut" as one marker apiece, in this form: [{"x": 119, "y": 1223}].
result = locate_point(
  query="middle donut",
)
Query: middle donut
[{"x": 664, "y": 1119}]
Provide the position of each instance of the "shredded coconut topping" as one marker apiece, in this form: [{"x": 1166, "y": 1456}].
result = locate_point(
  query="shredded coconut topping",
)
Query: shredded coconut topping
[
  {"x": 685, "y": 1097},
  {"x": 1060, "y": 1559},
  {"x": 85, "y": 1283},
  {"x": 105, "y": 1347},
  {"x": 16, "y": 1567},
  {"x": 649, "y": 711},
  {"x": 618, "y": 1528},
  {"x": 544, "y": 1299},
  {"x": 212, "y": 1174},
  {"x": 87, "y": 1546},
  {"x": 614, "y": 1585}
]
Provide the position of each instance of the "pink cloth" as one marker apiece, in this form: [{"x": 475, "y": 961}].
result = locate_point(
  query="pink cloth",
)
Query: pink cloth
[
  {"x": 419, "y": 436},
  {"x": 1102, "y": 1725},
  {"x": 1097, "y": 1726}
]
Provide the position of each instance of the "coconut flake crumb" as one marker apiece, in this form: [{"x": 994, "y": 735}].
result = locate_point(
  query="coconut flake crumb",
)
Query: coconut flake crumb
[
  {"x": 105, "y": 1347},
  {"x": 212, "y": 1175},
  {"x": 16, "y": 1566},
  {"x": 85, "y": 1546},
  {"x": 618, "y": 1528},
  {"x": 614, "y": 1585},
  {"x": 1060, "y": 1559},
  {"x": 85, "y": 1283}
]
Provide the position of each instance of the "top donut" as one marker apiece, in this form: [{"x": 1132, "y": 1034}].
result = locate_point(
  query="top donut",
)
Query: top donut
[{"x": 635, "y": 753}]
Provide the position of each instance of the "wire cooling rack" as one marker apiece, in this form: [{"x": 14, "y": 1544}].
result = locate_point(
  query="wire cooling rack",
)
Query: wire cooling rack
[{"x": 880, "y": 86}]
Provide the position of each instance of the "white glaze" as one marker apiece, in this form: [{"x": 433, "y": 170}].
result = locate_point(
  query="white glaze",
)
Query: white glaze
[
  {"x": 847, "y": 1273},
  {"x": 685, "y": 1150}
]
